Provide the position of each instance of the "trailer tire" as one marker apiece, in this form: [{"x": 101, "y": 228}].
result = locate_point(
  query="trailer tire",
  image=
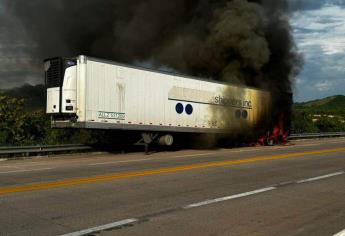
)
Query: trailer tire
[{"x": 166, "y": 140}]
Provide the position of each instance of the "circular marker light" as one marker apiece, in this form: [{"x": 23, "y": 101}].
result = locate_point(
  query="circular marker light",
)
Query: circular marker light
[
  {"x": 179, "y": 108},
  {"x": 245, "y": 114},
  {"x": 238, "y": 114},
  {"x": 189, "y": 109}
]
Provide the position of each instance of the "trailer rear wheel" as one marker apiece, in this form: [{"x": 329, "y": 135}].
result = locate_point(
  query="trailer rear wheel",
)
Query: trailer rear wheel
[{"x": 166, "y": 140}]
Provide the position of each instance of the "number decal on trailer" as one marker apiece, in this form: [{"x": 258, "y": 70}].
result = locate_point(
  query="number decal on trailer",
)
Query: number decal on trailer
[{"x": 111, "y": 115}]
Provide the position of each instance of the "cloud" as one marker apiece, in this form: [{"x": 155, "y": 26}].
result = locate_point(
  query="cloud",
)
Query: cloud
[
  {"x": 306, "y": 5},
  {"x": 324, "y": 86},
  {"x": 296, "y": 5},
  {"x": 16, "y": 65},
  {"x": 323, "y": 28},
  {"x": 320, "y": 35}
]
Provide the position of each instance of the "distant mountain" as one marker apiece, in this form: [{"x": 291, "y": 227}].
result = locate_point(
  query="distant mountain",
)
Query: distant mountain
[
  {"x": 334, "y": 105},
  {"x": 34, "y": 96}
]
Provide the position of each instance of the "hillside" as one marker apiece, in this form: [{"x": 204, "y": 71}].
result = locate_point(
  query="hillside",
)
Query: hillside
[{"x": 334, "y": 105}]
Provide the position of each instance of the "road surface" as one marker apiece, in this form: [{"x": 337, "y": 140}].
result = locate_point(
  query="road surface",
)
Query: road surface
[{"x": 298, "y": 189}]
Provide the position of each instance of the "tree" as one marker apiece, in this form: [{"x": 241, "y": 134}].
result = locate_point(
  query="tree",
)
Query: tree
[
  {"x": 20, "y": 127},
  {"x": 303, "y": 123},
  {"x": 36, "y": 128},
  {"x": 326, "y": 124},
  {"x": 11, "y": 121}
]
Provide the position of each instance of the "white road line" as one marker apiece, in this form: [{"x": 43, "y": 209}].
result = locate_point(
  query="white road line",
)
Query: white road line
[
  {"x": 23, "y": 166},
  {"x": 212, "y": 201},
  {"x": 188, "y": 155},
  {"x": 35, "y": 164},
  {"x": 242, "y": 150},
  {"x": 320, "y": 177},
  {"x": 13, "y": 167},
  {"x": 22, "y": 171},
  {"x": 342, "y": 233},
  {"x": 195, "y": 155},
  {"x": 149, "y": 159},
  {"x": 117, "y": 162},
  {"x": 102, "y": 228}
]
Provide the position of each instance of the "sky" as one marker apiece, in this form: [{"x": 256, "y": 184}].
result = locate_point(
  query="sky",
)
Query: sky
[
  {"x": 319, "y": 31},
  {"x": 16, "y": 65},
  {"x": 318, "y": 28}
]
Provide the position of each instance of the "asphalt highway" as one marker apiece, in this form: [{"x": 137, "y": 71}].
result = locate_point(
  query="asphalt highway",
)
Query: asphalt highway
[{"x": 297, "y": 189}]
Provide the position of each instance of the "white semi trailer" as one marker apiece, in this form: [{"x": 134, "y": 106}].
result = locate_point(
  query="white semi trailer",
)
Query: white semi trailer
[{"x": 90, "y": 93}]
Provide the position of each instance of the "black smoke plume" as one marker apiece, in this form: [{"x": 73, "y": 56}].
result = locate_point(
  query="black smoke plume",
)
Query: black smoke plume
[{"x": 240, "y": 41}]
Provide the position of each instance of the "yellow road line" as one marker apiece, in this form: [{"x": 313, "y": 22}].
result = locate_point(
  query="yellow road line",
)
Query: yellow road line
[{"x": 125, "y": 175}]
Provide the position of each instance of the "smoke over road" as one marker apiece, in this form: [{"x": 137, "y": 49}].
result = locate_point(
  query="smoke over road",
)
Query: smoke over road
[{"x": 238, "y": 41}]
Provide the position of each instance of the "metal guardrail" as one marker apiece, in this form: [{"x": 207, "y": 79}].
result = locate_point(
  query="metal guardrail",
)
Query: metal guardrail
[
  {"x": 30, "y": 150},
  {"x": 46, "y": 149},
  {"x": 316, "y": 135}
]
